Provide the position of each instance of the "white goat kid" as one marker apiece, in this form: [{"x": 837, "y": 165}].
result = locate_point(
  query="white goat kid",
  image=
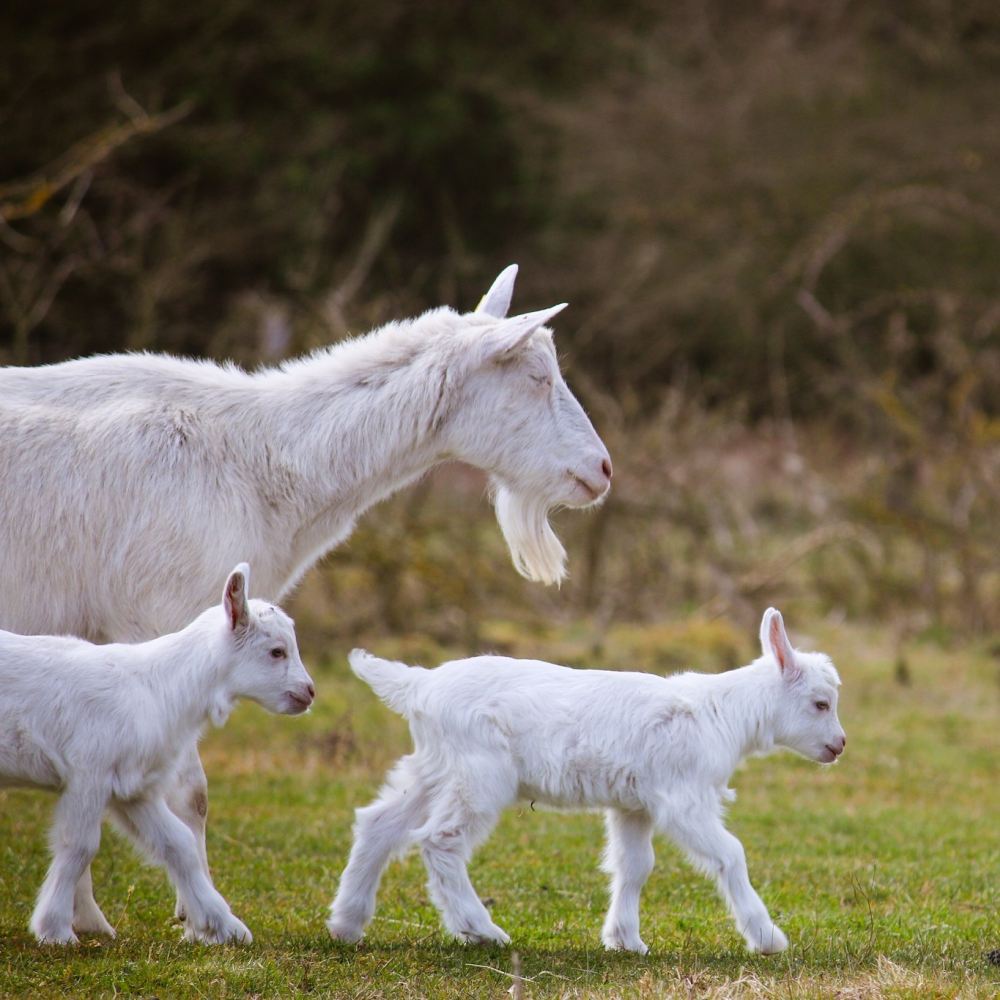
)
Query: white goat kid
[
  {"x": 655, "y": 752},
  {"x": 105, "y": 726},
  {"x": 129, "y": 472}
]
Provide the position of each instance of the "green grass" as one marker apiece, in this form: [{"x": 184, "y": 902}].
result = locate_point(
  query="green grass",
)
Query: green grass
[{"x": 883, "y": 870}]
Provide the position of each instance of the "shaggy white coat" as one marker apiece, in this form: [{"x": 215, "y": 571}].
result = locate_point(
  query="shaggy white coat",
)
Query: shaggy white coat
[
  {"x": 106, "y": 727},
  {"x": 127, "y": 472},
  {"x": 656, "y": 753}
]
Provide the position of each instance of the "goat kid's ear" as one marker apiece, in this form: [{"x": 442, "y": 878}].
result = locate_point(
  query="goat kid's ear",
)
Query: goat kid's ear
[
  {"x": 234, "y": 597},
  {"x": 774, "y": 641},
  {"x": 496, "y": 301},
  {"x": 509, "y": 336}
]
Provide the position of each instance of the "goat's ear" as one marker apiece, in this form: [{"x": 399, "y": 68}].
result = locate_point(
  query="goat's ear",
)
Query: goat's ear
[
  {"x": 496, "y": 301},
  {"x": 509, "y": 336},
  {"x": 774, "y": 641},
  {"x": 234, "y": 597}
]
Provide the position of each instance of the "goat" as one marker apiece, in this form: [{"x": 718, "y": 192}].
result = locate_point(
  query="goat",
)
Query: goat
[
  {"x": 654, "y": 752},
  {"x": 106, "y": 727},
  {"x": 126, "y": 471}
]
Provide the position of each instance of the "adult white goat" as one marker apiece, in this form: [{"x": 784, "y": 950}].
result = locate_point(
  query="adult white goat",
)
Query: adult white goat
[
  {"x": 128, "y": 471},
  {"x": 106, "y": 727},
  {"x": 655, "y": 752}
]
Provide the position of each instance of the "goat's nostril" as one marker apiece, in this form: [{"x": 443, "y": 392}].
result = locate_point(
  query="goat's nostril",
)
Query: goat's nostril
[
  {"x": 606, "y": 467},
  {"x": 312, "y": 690}
]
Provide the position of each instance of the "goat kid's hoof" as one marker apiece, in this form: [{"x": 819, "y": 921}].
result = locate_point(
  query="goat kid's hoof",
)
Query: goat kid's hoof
[
  {"x": 344, "y": 932},
  {"x": 490, "y": 935},
  {"x": 616, "y": 941},
  {"x": 222, "y": 931},
  {"x": 767, "y": 941},
  {"x": 94, "y": 923},
  {"x": 53, "y": 932}
]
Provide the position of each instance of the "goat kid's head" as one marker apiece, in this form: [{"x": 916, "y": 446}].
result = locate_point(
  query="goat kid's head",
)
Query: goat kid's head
[
  {"x": 530, "y": 432},
  {"x": 806, "y": 720},
  {"x": 268, "y": 669}
]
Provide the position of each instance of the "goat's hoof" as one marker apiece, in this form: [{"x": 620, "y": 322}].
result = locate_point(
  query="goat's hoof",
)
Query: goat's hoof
[
  {"x": 767, "y": 940},
  {"x": 348, "y": 933},
  {"x": 219, "y": 930},
  {"x": 615, "y": 940},
  {"x": 485, "y": 935},
  {"x": 51, "y": 931},
  {"x": 93, "y": 923}
]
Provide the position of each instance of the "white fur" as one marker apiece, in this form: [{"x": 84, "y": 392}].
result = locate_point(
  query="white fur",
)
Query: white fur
[
  {"x": 106, "y": 727},
  {"x": 129, "y": 470},
  {"x": 113, "y": 465},
  {"x": 655, "y": 752}
]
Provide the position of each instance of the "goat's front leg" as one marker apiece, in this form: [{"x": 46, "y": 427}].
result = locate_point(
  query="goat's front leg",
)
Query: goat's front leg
[
  {"x": 187, "y": 798},
  {"x": 628, "y": 859},
  {"x": 75, "y": 838},
  {"x": 168, "y": 842},
  {"x": 716, "y": 851}
]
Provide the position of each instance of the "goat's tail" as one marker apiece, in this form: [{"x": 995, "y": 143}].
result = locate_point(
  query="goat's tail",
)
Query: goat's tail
[{"x": 389, "y": 679}]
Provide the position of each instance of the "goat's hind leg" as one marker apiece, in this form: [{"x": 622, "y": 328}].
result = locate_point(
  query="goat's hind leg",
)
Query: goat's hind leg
[
  {"x": 628, "y": 859},
  {"x": 380, "y": 830},
  {"x": 455, "y": 827}
]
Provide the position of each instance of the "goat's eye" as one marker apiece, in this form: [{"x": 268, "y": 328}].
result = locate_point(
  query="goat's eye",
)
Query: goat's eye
[
  {"x": 823, "y": 706},
  {"x": 278, "y": 653},
  {"x": 543, "y": 381}
]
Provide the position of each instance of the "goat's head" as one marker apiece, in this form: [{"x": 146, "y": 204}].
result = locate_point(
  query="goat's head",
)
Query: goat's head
[
  {"x": 806, "y": 717},
  {"x": 527, "y": 430},
  {"x": 268, "y": 669}
]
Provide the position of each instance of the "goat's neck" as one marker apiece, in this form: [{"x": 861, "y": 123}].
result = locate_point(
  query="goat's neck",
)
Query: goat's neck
[
  {"x": 353, "y": 429},
  {"x": 188, "y": 673},
  {"x": 745, "y": 704}
]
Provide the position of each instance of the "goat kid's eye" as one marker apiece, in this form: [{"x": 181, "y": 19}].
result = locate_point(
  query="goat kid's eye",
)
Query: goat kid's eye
[
  {"x": 542, "y": 381},
  {"x": 823, "y": 706},
  {"x": 278, "y": 653}
]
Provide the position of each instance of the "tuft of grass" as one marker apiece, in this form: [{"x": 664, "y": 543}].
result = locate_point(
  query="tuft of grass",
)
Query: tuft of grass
[{"x": 882, "y": 870}]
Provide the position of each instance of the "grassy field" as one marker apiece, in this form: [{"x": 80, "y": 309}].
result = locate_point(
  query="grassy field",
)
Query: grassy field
[{"x": 882, "y": 870}]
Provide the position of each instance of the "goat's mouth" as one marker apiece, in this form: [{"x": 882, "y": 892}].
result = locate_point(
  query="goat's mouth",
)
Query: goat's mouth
[
  {"x": 297, "y": 704},
  {"x": 829, "y": 754},
  {"x": 593, "y": 493}
]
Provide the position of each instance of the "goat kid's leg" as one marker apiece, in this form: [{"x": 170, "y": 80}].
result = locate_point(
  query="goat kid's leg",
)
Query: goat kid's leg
[
  {"x": 446, "y": 844},
  {"x": 170, "y": 843},
  {"x": 628, "y": 859},
  {"x": 716, "y": 851},
  {"x": 188, "y": 801},
  {"x": 75, "y": 838},
  {"x": 380, "y": 830},
  {"x": 87, "y": 915}
]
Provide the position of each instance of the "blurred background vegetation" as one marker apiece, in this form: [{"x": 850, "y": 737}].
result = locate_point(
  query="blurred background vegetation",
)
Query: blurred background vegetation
[{"x": 777, "y": 222}]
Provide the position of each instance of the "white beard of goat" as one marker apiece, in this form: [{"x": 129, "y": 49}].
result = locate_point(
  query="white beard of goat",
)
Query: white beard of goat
[
  {"x": 656, "y": 753},
  {"x": 121, "y": 471}
]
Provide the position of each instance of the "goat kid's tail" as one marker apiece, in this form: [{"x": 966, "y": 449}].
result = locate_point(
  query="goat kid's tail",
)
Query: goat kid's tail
[{"x": 389, "y": 679}]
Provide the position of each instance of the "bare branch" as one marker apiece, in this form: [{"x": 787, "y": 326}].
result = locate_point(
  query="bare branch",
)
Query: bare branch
[{"x": 22, "y": 198}]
